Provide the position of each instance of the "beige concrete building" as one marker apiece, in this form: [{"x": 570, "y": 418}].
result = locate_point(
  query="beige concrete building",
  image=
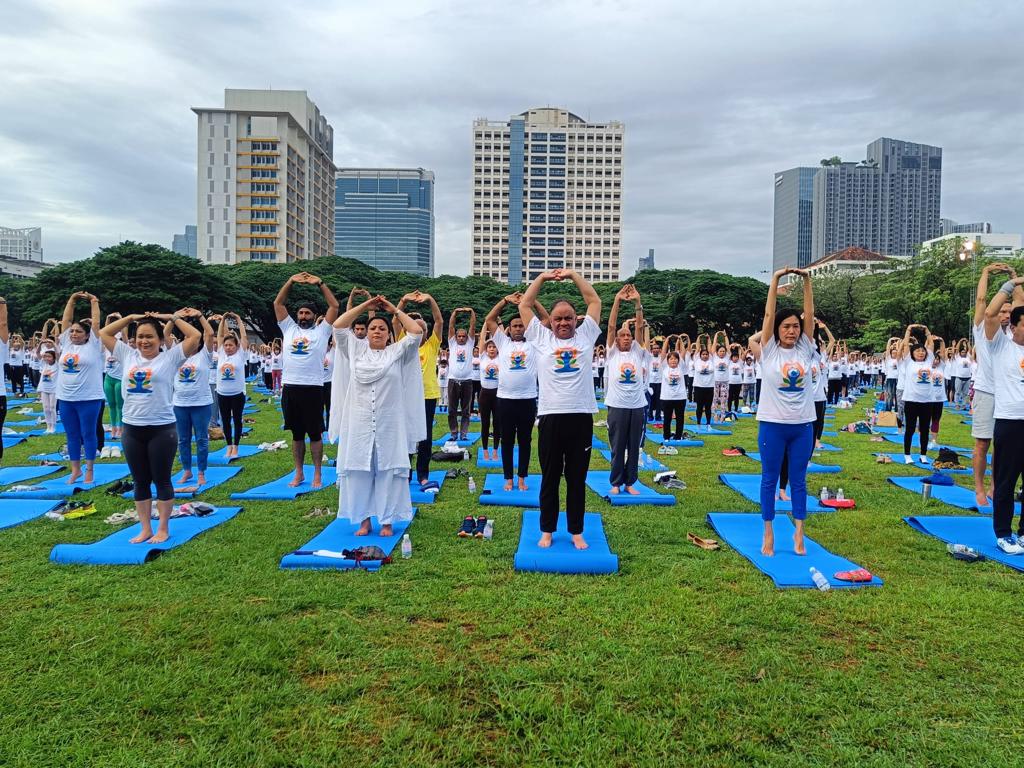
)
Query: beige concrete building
[
  {"x": 265, "y": 184},
  {"x": 547, "y": 193}
]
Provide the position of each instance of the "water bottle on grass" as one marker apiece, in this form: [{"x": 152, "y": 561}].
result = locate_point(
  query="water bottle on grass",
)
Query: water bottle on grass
[
  {"x": 472, "y": 484},
  {"x": 489, "y": 529},
  {"x": 819, "y": 580},
  {"x": 406, "y": 546}
]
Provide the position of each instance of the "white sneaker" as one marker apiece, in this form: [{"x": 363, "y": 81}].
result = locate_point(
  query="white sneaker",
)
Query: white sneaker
[
  {"x": 908, "y": 459},
  {"x": 1010, "y": 545},
  {"x": 924, "y": 459}
]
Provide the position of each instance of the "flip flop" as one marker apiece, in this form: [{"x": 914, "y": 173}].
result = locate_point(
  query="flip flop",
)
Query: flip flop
[
  {"x": 708, "y": 544},
  {"x": 858, "y": 575},
  {"x": 838, "y": 503}
]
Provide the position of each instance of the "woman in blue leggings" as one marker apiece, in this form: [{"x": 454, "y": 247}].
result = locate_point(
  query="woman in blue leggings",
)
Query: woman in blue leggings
[{"x": 785, "y": 412}]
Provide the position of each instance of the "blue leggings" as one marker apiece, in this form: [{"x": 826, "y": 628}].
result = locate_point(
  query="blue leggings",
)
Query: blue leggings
[
  {"x": 79, "y": 418},
  {"x": 193, "y": 419},
  {"x": 774, "y": 441}
]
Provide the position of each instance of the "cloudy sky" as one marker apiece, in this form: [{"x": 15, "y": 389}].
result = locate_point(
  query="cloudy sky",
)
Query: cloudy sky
[{"x": 98, "y": 143}]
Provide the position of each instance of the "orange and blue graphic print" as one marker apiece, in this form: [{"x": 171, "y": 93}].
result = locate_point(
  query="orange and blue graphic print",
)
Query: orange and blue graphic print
[
  {"x": 722, "y": 366},
  {"x": 566, "y": 359},
  {"x": 924, "y": 375},
  {"x": 300, "y": 346},
  {"x": 69, "y": 363},
  {"x": 46, "y": 376},
  {"x": 517, "y": 360},
  {"x": 460, "y": 356},
  {"x": 187, "y": 374},
  {"x": 792, "y": 377},
  {"x": 490, "y": 372},
  {"x": 673, "y": 379},
  {"x": 227, "y": 372},
  {"x": 140, "y": 381},
  {"x": 627, "y": 374}
]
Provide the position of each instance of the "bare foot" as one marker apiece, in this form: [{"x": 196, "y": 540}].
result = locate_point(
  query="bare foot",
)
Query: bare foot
[
  {"x": 202, "y": 479},
  {"x": 89, "y": 477},
  {"x": 768, "y": 541},
  {"x": 798, "y": 541},
  {"x": 186, "y": 475},
  {"x": 298, "y": 480},
  {"x": 578, "y": 541},
  {"x": 783, "y": 496},
  {"x": 159, "y": 537},
  {"x": 364, "y": 529},
  {"x": 317, "y": 479},
  {"x": 614, "y": 490},
  {"x": 75, "y": 477},
  {"x": 508, "y": 485},
  {"x": 545, "y": 541},
  {"x": 632, "y": 490},
  {"x": 387, "y": 530},
  {"x": 522, "y": 484},
  {"x": 146, "y": 535}
]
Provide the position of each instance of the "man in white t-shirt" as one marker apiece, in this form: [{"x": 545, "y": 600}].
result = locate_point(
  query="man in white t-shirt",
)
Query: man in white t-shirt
[
  {"x": 566, "y": 400},
  {"x": 304, "y": 346},
  {"x": 460, "y": 372}
]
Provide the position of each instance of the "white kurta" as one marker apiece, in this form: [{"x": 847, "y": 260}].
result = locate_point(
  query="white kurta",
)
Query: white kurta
[{"x": 377, "y": 411}]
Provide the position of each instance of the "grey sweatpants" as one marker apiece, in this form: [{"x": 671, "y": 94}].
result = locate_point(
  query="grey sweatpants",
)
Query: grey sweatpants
[{"x": 625, "y": 432}]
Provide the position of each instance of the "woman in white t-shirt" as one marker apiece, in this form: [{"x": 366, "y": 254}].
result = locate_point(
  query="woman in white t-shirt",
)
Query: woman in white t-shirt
[
  {"x": 721, "y": 367},
  {"x": 673, "y": 388},
  {"x": 150, "y": 437},
  {"x": 193, "y": 400},
  {"x": 230, "y": 380},
  {"x": 276, "y": 366},
  {"x": 703, "y": 383},
  {"x": 490, "y": 422},
  {"x": 80, "y": 384},
  {"x": 916, "y": 364},
  {"x": 48, "y": 387},
  {"x": 940, "y": 365},
  {"x": 626, "y": 399},
  {"x": 785, "y": 413}
]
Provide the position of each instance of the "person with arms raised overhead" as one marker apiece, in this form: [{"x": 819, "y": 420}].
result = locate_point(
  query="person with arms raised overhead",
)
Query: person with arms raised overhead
[
  {"x": 567, "y": 405},
  {"x": 304, "y": 344},
  {"x": 192, "y": 398},
  {"x": 80, "y": 384},
  {"x": 460, "y": 372},
  {"x": 233, "y": 350}
]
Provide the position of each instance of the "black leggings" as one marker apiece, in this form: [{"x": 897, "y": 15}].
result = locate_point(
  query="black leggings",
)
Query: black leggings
[
  {"x": 703, "y": 397},
  {"x": 654, "y": 404},
  {"x": 678, "y": 409},
  {"x": 231, "y": 416},
  {"x": 149, "y": 452},
  {"x": 3, "y": 418},
  {"x": 18, "y": 379},
  {"x": 517, "y": 417},
  {"x": 268, "y": 380},
  {"x": 936, "y": 416},
  {"x": 917, "y": 416},
  {"x": 734, "y": 397},
  {"x": 488, "y": 403},
  {"x": 835, "y": 388},
  {"x": 819, "y": 419}
]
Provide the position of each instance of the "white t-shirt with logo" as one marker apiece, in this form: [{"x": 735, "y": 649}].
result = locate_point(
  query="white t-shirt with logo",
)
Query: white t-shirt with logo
[
  {"x": 917, "y": 381},
  {"x": 735, "y": 372},
  {"x": 517, "y": 367},
  {"x": 489, "y": 370},
  {"x": 565, "y": 367},
  {"x": 938, "y": 383},
  {"x": 962, "y": 367},
  {"x": 303, "y": 350},
  {"x": 192, "y": 382},
  {"x": 328, "y": 366},
  {"x": 721, "y": 366},
  {"x": 230, "y": 374},
  {"x": 819, "y": 377},
  {"x": 111, "y": 365},
  {"x": 983, "y": 369},
  {"x": 460, "y": 360},
  {"x": 48, "y": 378},
  {"x": 80, "y": 369},
  {"x": 673, "y": 382},
  {"x": 626, "y": 377},
  {"x": 148, "y": 385},
  {"x": 787, "y": 393},
  {"x": 1007, "y": 360},
  {"x": 654, "y": 369},
  {"x": 892, "y": 368},
  {"x": 703, "y": 372}
]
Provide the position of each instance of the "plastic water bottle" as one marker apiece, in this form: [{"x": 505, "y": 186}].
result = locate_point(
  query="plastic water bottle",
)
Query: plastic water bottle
[
  {"x": 840, "y": 495},
  {"x": 406, "y": 546},
  {"x": 819, "y": 580},
  {"x": 489, "y": 529},
  {"x": 465, "y": 454},
  {"x": 472, "y": 484},
  {"x": 824, "y": 493}
]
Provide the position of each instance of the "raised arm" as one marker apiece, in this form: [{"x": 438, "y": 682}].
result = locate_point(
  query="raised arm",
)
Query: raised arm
[
  {"x": 350, "y": 315},
  {"x": 69, "y": 310},
  {"x": 451, "y": 322},
  {"x": 768, "y": 326},
  {"x": 472, "y": 323},
  {"x": 1005, "y": 292},
  {"x": 808, "y": 302},
  {"x": 332, "y": 302},
  {"x": 491, "y": 321},
  {"x": 356, "y": 291},
  {"x": 190, "y": 343},
  {"x": 435, "y": 311},
  {"x": 588, "y": 293},
  {"x": 280, "y": 309},
  {"x": 409, "y": 325},
  {"x": 542, "y": 314},
  {"x": 243, "y": 338},
  {"x": 526, "y": 303},
  {"x": 108, "y": 333},
  {"x": 207, "y": 328},
  {"x": 613, "y": 315},
  {"x": 5, "y": 331}
]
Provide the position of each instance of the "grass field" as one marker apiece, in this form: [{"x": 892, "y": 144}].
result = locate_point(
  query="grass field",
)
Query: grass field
[{"x": 213, "y": 656}]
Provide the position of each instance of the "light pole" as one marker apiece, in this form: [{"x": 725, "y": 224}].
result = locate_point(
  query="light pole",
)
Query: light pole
[{"x": 967, "y": 252}]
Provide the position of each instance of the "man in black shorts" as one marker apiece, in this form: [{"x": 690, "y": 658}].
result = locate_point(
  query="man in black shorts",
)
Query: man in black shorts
[{"x": 304, "y": 345}]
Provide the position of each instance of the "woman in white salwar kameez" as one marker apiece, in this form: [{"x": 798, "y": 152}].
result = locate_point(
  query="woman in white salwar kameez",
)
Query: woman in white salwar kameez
[{"x": 377, "y": 410}]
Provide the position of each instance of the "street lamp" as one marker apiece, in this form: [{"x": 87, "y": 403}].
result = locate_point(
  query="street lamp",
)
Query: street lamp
[{"x": 968, "y": 253}]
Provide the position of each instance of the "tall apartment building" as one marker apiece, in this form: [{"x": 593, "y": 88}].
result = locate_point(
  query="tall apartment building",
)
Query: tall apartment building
[
  {"x": 547, "y": 193},
  {"x": 791, "y": 231},
  {"x": 186, "y": 243},
  {"x": 950, "y": 227},
  {"x": 25, "y": 244},
  {"x": 265, "y": 186},
  {"x": 385, "y": 218},
  {"x": 888, "y": 203}
]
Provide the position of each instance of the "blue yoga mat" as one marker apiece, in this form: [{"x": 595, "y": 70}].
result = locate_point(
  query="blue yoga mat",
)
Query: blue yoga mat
[
  {"x": 472, "y": 437},
  {"x": 56, "y": 455},
  {"x": 971, "y": 530},
  {"x": 749, "y": 487},
  {"x": 829, "y": 433},
  {"x": 600, "y": 483},
  {"x": 954, "y": 495},
  {"x": 339, "y": 535},
  {"x": 17, "y": 511},
  {"x": 422, "y": 497},
  {"x": 495, "y": 464},
  {"x": 13, "y": 401},
  {"x": 887, "y": 430},
  {"x": 827, "y": 447},
  {"x": 898, "y": 461},
  {"x": 58, "y": 488},
  {"x": 214, "y": 477},
  {"x": 562, "y": 556},
  {"x": 812, "y": 467},
  {"x": 219, "y": 458},
  {"x": 657, "y": 439},
  {"x": 18, "y": 475},
  {"x": 916, "y": 444},
  {"x": 21, "y": 423},
  {"x": 743, "y": 532},
  {"x": 10, "y": 440},
  {"x": 647, "y": 462},
  {"x": 704, "y": 429},
  {"x": 116, "y": 548},
  {"x": 494, "y": 492},
  {"x": 280, "y": 490},
  {"x": 597, "y": 442}
]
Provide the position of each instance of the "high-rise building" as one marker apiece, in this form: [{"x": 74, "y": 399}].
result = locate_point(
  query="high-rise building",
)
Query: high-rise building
[
  {"x": 185, "y": 244},
  {"x": 21, "y": 252},
  {"x": 645, "y": 262},
  {"x": 265, "y": 186},
  {"x": 888, "y": 203},
  {"x": 950, "y": 227},
  {"x": 791, "y": 233},
  {"x": 385, "y": 218},
  {"x": 547, "y": 193}
]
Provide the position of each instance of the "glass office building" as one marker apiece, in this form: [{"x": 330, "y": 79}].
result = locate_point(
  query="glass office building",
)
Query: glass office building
[{"x": 384, "y": 217}]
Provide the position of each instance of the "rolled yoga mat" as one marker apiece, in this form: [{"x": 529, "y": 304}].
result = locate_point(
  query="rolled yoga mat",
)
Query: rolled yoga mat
[
  {"x": 562, "y": 556},
  {"x": 971, "y": 530},
  {"x": 494, "y": 492},
  {"x": 749, "y": 486},
  {"x": 58, "y": 488},
  {"x": 116, "y": 548},
  {"x": 340, "y": 535},
  {"x": 279, "y": 489},
  {"x": 954, "y": 495},
  {"x": 743, "y": 531},
  {"x": 600, "y": 483}
]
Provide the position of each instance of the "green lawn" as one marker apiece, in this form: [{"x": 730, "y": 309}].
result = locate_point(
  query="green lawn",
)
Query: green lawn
[{"x": 212, "y": 656}]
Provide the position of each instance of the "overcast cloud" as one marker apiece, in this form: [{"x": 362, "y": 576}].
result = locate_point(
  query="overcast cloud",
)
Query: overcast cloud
[{"x": 98, "y": 143}]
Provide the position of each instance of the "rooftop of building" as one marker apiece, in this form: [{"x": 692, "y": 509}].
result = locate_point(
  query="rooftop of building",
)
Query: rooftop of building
[{"x": 853, "y": 253}]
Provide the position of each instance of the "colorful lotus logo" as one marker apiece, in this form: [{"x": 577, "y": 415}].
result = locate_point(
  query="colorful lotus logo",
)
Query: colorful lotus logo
[
  {"x": 140, "y": 381},
  {"x": 227, "y": 372},
  {"x": 792, "y": 377},
  {"x": 187, "y": 374},
  {"x": 491, "y": 372},
  {"x": 565, "y": 360},
  {"x": 518, "y": 360},
  {"x": 924, "y": 376},
  {"x": 627, "y": 374},
  {"x": 300, "y": 345},
  {"x": 460, "y": 356},
  {"x": 69, "y": 364}
]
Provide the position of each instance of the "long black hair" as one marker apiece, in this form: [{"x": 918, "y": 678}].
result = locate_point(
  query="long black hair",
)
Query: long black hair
[{"x": 782, "y": 316}]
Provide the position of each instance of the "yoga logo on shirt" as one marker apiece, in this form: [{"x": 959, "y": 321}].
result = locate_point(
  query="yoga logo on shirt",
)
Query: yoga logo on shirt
[
  {"x": 490, "y": 372},
  {"x": 924, "y": 375},
  {"x": 722, "y": 367},
  {"x": 627, "y": 374},
  {"x": 187, "y": 374},
  {"x": 460, "y": 356},
  {"x": 566, "y": 359},
  {"x": 704, "y": 371},
  {"x": 301, "y": 346},
  {"x": 517, "y": 360},
  {"x": 814, "y": 374},
  {"x": 655, "y": 366},
  {"x": 792, "y": 377},
  {"x": 70, "y": 364},
  {"x": 140, "y": 381},
  {"x": 227, "y": 372},
  {"x": 673, "y": 379},
  {"x": 46, "y": 377},
  {"x": 111, "y": 362},
  {"x": 327, "y": 363}
]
